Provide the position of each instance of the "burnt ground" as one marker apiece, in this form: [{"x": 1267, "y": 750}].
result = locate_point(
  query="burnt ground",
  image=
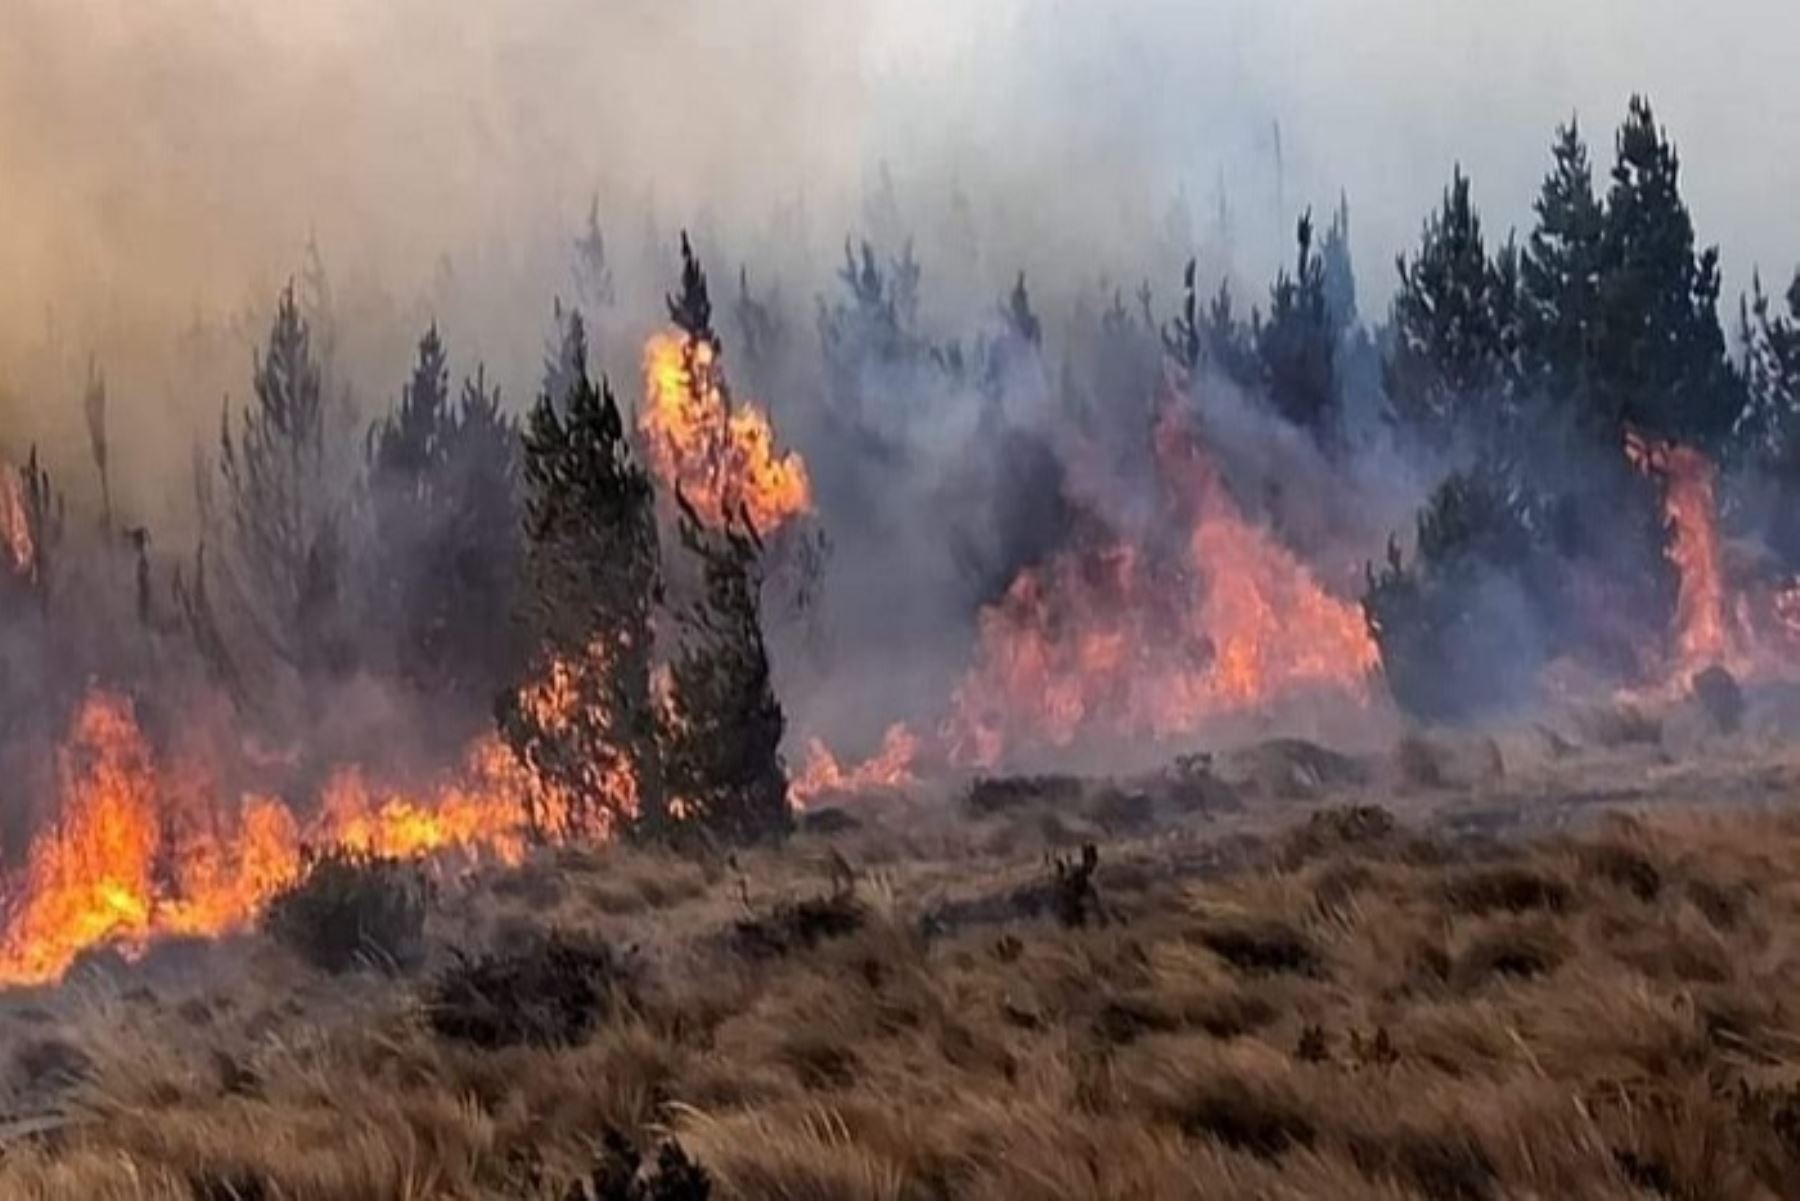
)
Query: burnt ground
[{"x": 1531, "y": 964}]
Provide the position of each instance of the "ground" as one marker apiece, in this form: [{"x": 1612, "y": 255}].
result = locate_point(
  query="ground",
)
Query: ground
[{"x": 1532, "y": 965}]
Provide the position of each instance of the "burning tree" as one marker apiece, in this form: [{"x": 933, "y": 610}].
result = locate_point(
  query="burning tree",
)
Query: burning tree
[
  {"x": 444, "y": 492},
  {"x": 725, "y": 731},
  {"x": 595, "y": 574},
  {"x": 725, "y": 726}
]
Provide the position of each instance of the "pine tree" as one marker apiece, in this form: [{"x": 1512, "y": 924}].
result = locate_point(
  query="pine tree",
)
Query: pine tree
[
  {"x": 594, "y": 568},
  {"x": 1459, "y": 624},
  {"x": 1340, "y": 274},
  {"x": 285, "y": 551},
  {"x": 724, "y": 737},
  {"x": 443, "y": 485},
  {"x": 1660, "y": 353},
  {"x": 1451, "y": 366},
  {"x": 724, "y": 726},
  {"x": 1298, "y": 343},
  {"x": 1560, "y": 272}
]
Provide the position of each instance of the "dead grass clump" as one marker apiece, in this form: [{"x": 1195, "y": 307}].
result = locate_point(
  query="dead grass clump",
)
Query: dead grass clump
[
  {"x": 1292, "y": 769},
  {"x": 1261, "y": 945},
  {"x": 1717, "y": 692},
  {"x": 1508, "y": 888},
  {"x": 1516, "y": 950},
  {"x": 1623, "y": 866},
  {"x": 229, "y": 1184},
  {"x": 1443, "y": 1165},
  {"x": 49, "y": 1065},
  {"x": 549, "y": 993},
  {"x": 1123, "y": 811},
  {"x": 620, "y": 1174},
  {"x": 1621, "y": 725},
  {"x": 800, "y": 925},
  {"x": 1340, "y": 827},
  {"x": 351, "y": 909},
  {"x": 1250, "y": 1101},
  {"x": 1068, "y": 895},
  {"x": 999, "y": 794}
]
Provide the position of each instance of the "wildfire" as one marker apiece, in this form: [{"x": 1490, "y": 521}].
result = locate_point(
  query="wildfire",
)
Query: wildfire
[
  {"x": 139, "y": 849},
  {"x": 889, "y": 768},
  {"x": 1112, "y": 642},
  {"x": 720, "y": 453},
  {"x": 15, "y": 521}
]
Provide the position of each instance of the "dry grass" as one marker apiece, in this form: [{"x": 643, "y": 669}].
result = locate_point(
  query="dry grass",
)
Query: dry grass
[{"x": 1304, "y": 1002}]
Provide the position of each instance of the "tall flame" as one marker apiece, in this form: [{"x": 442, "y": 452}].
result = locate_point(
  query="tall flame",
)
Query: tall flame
[
  {"x": 889, "y": 767},
  {"x": 1113, "y": 643},
  {"x": 719, "y": 451},
  {"x": 139, "y": 849}
]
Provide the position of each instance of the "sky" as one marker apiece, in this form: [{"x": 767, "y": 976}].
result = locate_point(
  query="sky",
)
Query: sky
[{"x": 166, "y": 159}]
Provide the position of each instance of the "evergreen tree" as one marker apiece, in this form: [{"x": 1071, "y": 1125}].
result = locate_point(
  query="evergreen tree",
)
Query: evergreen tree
[
  {"x": 1460, "y": 624},
  {"x": 1560, "y": 273},
  {"x": 593, "y": 563},
  {"x": 1298, "y": 343},
  {"x": 1660, "y": 352},
  {"x": 724, "y": 726},
  {"x": 724, "y": 738},
  {"x": 1340, "y": 274},
  {"x": 1451, "y": 366},
  {"x": 285, "y": 551},
  {"x": 443, "y": 486}
]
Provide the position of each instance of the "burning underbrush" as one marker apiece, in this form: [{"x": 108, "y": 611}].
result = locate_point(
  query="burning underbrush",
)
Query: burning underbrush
[{"x": 1318, "y": 994}]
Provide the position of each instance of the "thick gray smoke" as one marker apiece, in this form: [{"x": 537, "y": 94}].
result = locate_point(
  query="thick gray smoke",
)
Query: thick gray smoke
[{"x": 166, "y": 165}]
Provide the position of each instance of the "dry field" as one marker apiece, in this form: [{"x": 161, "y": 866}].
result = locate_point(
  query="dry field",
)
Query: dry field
[{"x": 1536, "y": 967}]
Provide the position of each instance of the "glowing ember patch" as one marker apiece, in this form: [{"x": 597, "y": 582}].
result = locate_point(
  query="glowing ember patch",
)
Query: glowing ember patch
[
  {"x": 720, "y": 452},
  {"x": 1104, "y": 642},
  {"x": 889, "y": 768}
]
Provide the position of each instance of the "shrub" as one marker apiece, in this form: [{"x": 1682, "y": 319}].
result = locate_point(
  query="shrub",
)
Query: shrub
[
  {"x": 1459, "y": 624},
  {"x": 551, "y": 992},
  {"x": 349, "y": 909}
]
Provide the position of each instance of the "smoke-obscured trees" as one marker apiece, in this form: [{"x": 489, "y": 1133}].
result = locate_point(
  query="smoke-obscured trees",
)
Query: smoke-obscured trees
[
  {"x": 1461, "y": 623},
  {"x": 443, "y": 481},
  {"x": 284, "y": 553},
  {"x": 1298, "y": 342}
]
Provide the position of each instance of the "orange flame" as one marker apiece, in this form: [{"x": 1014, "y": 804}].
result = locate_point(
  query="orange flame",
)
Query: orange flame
[
  {"x": 1703, "y": 635},
  {"x": 15, "y": 521},
  {"x": 1109, "y": 642},
  {"x": 722, "y": 454},
  {"x": 139, "y": 851},
  {"x": 889, "y": 768}
]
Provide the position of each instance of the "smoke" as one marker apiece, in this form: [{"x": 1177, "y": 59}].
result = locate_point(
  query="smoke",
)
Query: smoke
[{"x": 165, "y": 166}]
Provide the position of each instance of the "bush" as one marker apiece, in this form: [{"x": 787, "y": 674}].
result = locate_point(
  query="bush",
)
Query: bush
[
  {"x": 551, "y": 992},
  {"x": 1461, "y": 624},
  {"x": 351, "y": 909}
]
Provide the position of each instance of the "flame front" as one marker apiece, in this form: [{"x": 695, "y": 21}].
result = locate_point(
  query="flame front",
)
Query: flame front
[
  {"x": 720, "y": 453},
  {"x": 141, "y": 849},
  {"x": 889, "y": 768},
  {"x": 1108, "y": 642}
]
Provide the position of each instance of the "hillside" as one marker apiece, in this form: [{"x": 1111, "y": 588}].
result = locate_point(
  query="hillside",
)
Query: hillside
[{"x": 1451, "y": 971}]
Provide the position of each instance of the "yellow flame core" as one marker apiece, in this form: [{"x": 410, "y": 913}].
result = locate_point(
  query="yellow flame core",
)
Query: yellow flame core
[{"x": 722, "y": 455}]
